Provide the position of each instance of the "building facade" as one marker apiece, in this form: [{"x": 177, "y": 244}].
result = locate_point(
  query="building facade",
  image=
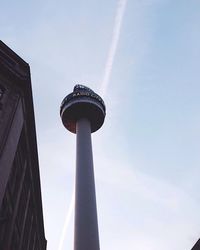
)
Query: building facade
[
  {"x": 21, "y": 216},
  {"x": 196, "y": 246}
]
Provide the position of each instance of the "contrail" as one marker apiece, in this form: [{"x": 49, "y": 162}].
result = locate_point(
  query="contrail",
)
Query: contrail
[
  {"x": 108, "y": 68},
  {"x": 115, "y": 38},
  {"x": 67, "y": 221}
]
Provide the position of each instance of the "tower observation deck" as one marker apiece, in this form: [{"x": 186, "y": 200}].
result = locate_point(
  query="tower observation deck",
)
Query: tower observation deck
[
  {"x": 83, "y": 112},
  {"x": 82, "y": 103}
]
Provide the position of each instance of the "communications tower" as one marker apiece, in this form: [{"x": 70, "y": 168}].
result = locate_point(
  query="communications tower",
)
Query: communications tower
[{"x": 82, "y": 113}]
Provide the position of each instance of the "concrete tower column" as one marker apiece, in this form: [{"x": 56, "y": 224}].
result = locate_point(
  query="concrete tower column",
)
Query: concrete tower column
[
  {"x": 83, "y": 113},
  {"x": 86, "y": 226}
]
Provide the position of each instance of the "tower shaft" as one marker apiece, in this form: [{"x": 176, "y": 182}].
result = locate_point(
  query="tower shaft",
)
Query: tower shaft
[{"x": 86, "y": 235}]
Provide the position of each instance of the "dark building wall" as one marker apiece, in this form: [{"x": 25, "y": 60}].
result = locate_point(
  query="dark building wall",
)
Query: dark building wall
[
  {"x": 196, "y": 246},
  {"x": 21, "y": 218}
]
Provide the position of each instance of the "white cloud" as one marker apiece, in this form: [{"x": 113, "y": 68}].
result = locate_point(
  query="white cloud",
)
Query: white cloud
[{"x": 156, "y": 209}]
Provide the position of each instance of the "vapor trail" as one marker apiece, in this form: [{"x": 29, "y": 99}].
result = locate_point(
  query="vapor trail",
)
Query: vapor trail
[
  {"x": 67, "y": 221},
  {"x": 108, "y": 68},
  {"x": 115, "y": 38}
]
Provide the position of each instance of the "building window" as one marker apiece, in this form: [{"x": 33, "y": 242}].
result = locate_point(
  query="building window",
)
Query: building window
[
  {"x": 2, "y": 91},
  {"x": 5, "y": 219}
]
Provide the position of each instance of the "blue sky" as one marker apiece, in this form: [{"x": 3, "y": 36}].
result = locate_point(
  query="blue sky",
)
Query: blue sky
[{"x": 146, "y": 155}]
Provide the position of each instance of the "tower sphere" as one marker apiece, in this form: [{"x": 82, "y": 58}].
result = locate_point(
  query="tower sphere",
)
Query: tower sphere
[{"x": 82, "y": 103}]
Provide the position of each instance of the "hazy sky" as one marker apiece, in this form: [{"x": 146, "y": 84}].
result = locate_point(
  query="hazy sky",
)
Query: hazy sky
[{"x": 147, "y": 154}]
